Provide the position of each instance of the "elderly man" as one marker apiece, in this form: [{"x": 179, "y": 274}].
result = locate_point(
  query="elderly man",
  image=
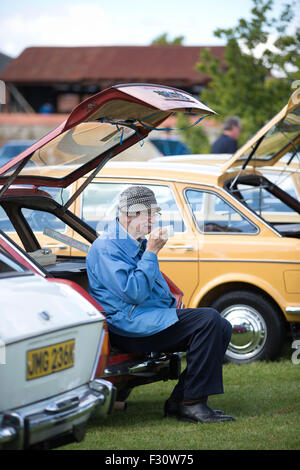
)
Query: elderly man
[{"x": 125, "y": 279}]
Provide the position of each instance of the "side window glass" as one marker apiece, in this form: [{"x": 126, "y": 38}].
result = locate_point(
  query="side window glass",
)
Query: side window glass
[
  {"x": 38, "y": 220},
  {"x": 100, "y": 202},
  {"x": 213, "y": 214},
  {"x": 5, "y": 223}
]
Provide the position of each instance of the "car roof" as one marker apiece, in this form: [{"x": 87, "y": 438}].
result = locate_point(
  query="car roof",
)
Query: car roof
[
  {"x": 159, "y": 170},
  {"x": 177, "y": 171}
]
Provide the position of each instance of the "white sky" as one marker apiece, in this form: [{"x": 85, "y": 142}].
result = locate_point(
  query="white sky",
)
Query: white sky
[{"x": 25, "y": 23}]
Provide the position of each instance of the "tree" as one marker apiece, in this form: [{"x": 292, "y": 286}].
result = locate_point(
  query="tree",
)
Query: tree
[
  {"x": 164, "y": 41},
  {"x": 245, "y": 84},
  {"x": 195, "y": 137}
]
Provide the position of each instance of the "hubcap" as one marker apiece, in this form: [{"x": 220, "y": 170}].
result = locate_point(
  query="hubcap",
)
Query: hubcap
[{"x": 249, "y": 332}]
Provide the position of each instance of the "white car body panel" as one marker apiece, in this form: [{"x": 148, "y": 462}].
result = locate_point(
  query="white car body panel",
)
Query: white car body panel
[
  {"x": 37, "y": 314},
  {"x": 23, "y": 328}
]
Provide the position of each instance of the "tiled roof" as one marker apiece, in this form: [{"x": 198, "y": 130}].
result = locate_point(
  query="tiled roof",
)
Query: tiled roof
[
  {"x": 116, "y": 64},
  {"x": 4, "y": 61}
]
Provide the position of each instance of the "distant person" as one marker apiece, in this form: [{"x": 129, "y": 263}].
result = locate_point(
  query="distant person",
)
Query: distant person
[{"x": 227, "y": 142}]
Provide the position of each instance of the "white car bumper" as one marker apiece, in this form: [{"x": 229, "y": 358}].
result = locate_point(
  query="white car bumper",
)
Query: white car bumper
[{"x": 58, "y": 420}]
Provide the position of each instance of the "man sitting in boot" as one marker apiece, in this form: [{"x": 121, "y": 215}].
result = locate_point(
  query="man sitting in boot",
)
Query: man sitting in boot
[{"x": 125, "y": 278}]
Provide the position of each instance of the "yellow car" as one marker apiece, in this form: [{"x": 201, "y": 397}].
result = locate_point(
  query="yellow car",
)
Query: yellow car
[{"x": 236, "y": 233}]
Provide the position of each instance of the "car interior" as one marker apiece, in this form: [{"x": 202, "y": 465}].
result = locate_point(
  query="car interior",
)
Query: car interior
[{"x": 280, "y": 209}]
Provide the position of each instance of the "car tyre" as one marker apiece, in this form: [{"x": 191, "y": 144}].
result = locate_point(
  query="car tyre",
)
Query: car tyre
[{"x": 258, "y": 330}]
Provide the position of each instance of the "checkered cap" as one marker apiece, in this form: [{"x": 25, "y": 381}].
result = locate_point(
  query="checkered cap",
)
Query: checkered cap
[{"x": 137, "y": 199}]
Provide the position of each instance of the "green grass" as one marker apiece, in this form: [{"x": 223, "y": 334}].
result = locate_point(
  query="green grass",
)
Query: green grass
[{"x": 264, "y": 397}]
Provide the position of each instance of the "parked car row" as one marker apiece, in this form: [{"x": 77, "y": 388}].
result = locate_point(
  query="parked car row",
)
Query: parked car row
[
  {"x": 236, "y": 233},
  {"x": 235, "y": 247},
  {"x": 59, "y": 367}
]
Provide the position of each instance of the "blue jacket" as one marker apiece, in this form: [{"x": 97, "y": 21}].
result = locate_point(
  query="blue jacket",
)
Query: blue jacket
[{"x": 127, "y": 282}]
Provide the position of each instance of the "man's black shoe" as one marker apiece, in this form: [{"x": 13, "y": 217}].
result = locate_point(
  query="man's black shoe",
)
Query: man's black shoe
[
  {"x": 171, "y": 409},
  {"x": 201, "y": 413}
]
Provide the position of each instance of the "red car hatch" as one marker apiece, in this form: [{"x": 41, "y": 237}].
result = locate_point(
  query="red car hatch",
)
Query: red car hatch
[{"x": 97, "y": 129}]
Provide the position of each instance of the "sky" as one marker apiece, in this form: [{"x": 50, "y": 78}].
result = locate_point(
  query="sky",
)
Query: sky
[{"x": 25, "y": 23}]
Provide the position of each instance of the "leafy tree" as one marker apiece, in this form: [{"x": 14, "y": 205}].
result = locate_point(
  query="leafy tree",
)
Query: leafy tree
[
  {"x": 164, "y": 41},
  {"x": 245, "y": 84},
  {"x": 195, "y": 137}
]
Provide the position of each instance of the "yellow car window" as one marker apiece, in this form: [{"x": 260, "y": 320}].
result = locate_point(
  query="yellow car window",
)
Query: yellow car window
[
  {"x": 100, "y": 202},
  {"x": 212, "y": 214}
]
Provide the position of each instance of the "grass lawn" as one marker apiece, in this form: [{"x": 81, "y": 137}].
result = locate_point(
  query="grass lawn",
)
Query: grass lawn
[{"x": 264, "y": 397}]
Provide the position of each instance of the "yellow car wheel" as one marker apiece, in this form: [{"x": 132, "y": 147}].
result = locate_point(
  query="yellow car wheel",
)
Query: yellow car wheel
[{"x": 258, "y": 331}]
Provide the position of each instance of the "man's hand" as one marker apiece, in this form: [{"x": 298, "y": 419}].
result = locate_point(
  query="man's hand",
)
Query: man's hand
[{"x": 157, "y": 239}]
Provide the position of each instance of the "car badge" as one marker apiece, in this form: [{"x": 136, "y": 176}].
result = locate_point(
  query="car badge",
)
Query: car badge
[{"x": 45, "y": 315}]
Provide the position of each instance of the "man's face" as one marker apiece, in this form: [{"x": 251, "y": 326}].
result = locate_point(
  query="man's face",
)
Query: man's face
[
  {"x": 236, "y": 130},
  {"x": 141, "y": 223}
]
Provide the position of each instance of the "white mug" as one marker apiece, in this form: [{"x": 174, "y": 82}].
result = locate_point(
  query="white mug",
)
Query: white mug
[{"x": 168, "y": 231}]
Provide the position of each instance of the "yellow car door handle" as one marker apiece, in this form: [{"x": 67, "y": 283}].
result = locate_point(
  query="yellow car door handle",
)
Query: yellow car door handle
[{"x": 181, "y": 247}]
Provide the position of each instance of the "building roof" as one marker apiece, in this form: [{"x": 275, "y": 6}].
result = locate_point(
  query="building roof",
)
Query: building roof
[
  {"x": 4, "y": 60},
  {"x": 114, "y": 64}
]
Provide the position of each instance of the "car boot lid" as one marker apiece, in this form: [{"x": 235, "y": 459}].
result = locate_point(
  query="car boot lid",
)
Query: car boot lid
[
  {"x": 99, "y": 128},
  {"x": 33, "y": 306},
  {"x": 276, "y": 140}
]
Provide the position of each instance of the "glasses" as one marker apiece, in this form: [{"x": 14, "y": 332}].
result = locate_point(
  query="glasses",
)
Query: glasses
[{"x": 146, "y": 214}]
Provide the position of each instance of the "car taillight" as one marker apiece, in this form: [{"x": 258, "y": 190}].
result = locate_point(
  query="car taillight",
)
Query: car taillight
[{"x": 103, "y": 353}]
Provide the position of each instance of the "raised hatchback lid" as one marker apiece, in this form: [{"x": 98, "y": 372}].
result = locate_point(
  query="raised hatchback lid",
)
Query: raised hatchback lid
[
  {"x": 277, "y": 140},
  {"x": 98, "y": 129}
]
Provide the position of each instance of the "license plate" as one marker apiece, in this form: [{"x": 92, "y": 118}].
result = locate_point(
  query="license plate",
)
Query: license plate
[{"x": 50, "y": 359}]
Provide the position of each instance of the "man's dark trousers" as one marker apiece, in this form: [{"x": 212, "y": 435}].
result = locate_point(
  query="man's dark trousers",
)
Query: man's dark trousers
[{"x": 204, "y": 335}]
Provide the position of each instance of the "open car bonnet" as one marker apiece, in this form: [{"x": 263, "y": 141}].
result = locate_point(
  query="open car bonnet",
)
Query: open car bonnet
[
  {"x": 278, "y": 140},
  {"x": 99, "y": 128}
]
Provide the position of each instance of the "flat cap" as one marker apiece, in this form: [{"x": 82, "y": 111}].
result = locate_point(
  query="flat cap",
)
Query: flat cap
[{"x": 136, "y": 199}]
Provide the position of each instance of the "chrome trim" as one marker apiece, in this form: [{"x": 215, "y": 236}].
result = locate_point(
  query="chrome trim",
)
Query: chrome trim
[
  {"x": 99, "y": 348},
  {"x": 248, "y": 261},
  {"x": 15, "y": 421},
  {"x": 292, "y": 310},
  {"x": 179, "y": 260},
  {"x": 146, "y": 368},
  {"x": 45, "y": 420},
  {"x": 7, "y": 434},
  {"x": 181, "y": 247},
  {"x": 213, "y": 260},
  {"x": 249, "y": 332},
  {"x": 109, "y": 391}
]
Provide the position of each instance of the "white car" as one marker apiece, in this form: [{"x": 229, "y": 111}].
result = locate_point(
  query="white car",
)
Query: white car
[{"x": 51, "y": 341}]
